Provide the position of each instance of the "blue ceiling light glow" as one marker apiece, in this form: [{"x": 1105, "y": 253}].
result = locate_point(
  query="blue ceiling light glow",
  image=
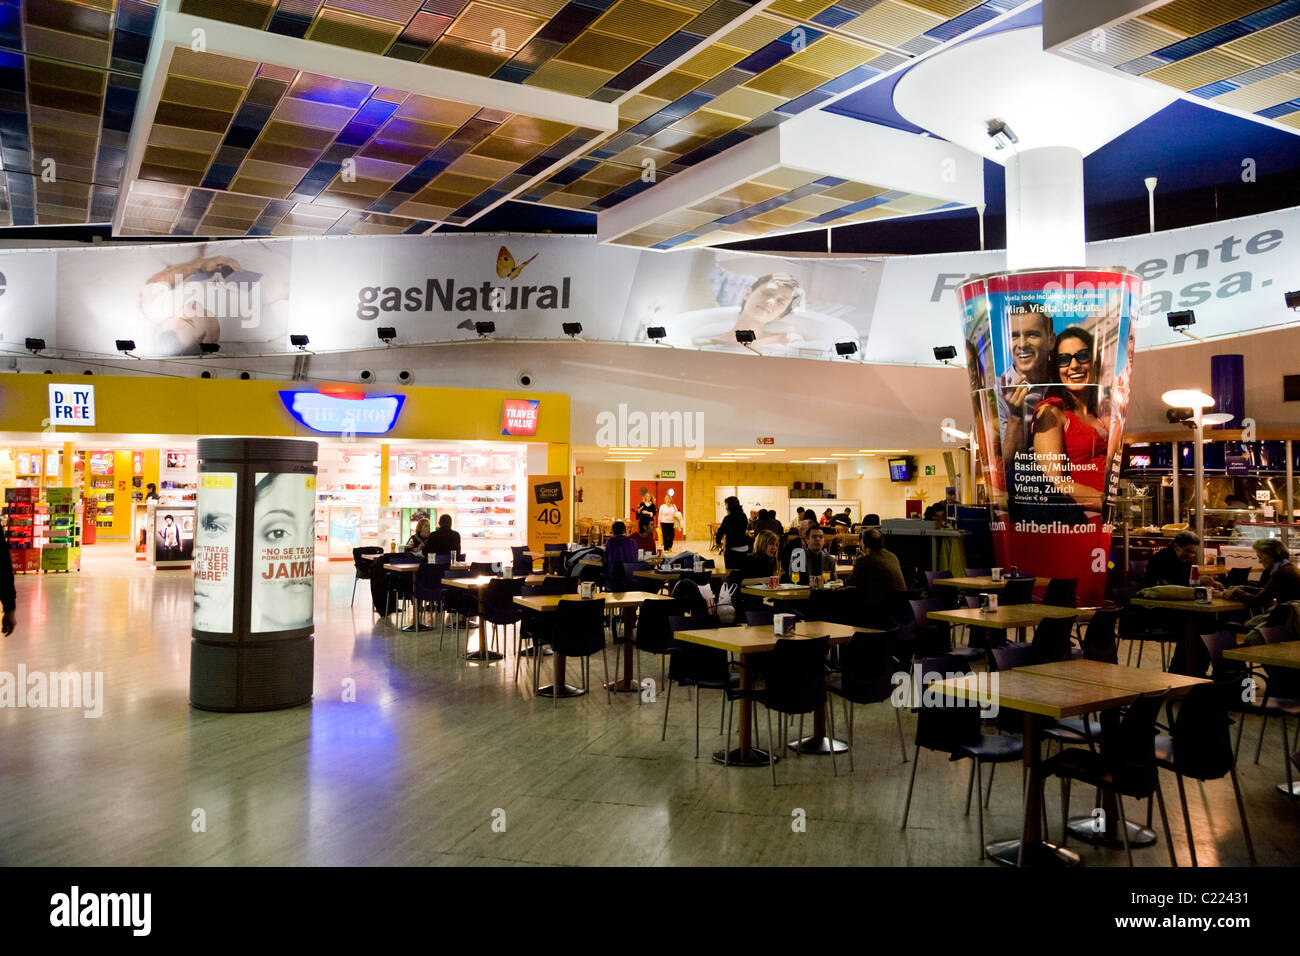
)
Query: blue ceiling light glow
[{"x": 333, "y": 415}]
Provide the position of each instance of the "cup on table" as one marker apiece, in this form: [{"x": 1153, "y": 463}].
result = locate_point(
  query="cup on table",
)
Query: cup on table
[
  {"x": 1015, "y": 572},
  {"x": 584, "y": 590},
  {"x": 997, "y": 574},
  {"x": 817, "y": 582},
  {"x": 507, "y": 571},
  {"x": 984, "y": 604},
  {"x": 773, "y": 582}
]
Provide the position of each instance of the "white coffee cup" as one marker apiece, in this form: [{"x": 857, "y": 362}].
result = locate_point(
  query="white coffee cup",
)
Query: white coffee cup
[
  {"x": 997, "y": 574},
  {"x": 782, "y": 624}
]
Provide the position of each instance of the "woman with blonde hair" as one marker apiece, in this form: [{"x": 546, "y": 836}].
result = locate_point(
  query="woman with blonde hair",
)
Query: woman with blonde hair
[{"x": 762, "y": 562}]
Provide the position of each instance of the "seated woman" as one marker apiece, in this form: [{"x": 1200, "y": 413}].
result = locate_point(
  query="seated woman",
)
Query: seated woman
[
  {"x": 762, "y": 561},
  {"x": 1280, "y": 582},
  {"x": 1070, "y": 438},
  {"x": 417, "y": 540}
]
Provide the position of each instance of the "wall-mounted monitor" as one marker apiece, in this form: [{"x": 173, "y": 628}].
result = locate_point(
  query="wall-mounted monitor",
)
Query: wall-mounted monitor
[{"x": 901, "y": 469}]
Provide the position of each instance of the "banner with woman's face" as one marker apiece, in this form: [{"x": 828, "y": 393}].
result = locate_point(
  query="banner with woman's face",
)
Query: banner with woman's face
[
  {"x": 1050, "y": 357},
  {"x": 284, "y": 551}
]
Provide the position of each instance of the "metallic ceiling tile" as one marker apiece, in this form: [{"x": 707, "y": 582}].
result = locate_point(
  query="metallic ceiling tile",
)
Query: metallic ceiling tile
[
  {"x": 212, "y": 67},
  {"x": 603, "y": 52},
  {"x": 708, "y": 123},
  {"x": 785, "y": 81},
  {"x": 673, "y": 86},
  {"x": 1274, "y": 43},
  {"x": 399, "y": 11},
  {"x": 497, "y": 26},
  {"x": 746, "y": 102},
  {"x": 187, "y": 92},
  {"x": 371, "y": 189},
  {"x": 755, "y": 33},
  {"x": 307, "y": 113},
  {"x": 1200, "y": 69},
  {"x": 170, "y": 174},
  {"x": 245, "y": 13},
  {"x": 1126, "y": 40},
  {"x": 476, "y": 164},
  {"x": 642, "y": 20},
  {"x": 461, "y": 185},
  {"x": 785, "y": 178},
  {"x": 455, "y": 53},
  {"x": 426, "y": 27},
  {"x": 892, "y": 23},
  {"x": 426, "y": 109},
  {"x": 532, "y": 130},
  {"x": 1190, "y": 17},
  {"x": 44, "y": 116},
  {"x": 177, "y": 158},
  {"x": 340, "y": 28},
  {"x": 38, "y": 41},
  {"x": 273, "y": 172},
  {"x": 66, "y": 76},
  {"x": 172, "y": 114},
  {"x": 1265, "y": 93},
  {"x": 160, "y": 135},
  {"x": 74, "y": 18},
  {"x": 261, "y": 187},
  {"x": 391, "y": 151},
  {"x": 712, "y": 60},
  {"x": 285, "y": 74},
  {"x": 832, "y": 56}
]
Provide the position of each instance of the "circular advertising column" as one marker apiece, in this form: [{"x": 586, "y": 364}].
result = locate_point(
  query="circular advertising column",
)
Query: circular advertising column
[
  {"x": 254, "y": 564},
  {"x": 1050, "y": 356}
]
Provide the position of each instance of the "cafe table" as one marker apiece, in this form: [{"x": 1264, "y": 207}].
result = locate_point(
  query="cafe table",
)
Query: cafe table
[
  {"x": 664, "y": 577},
  {"x": 782, "y": 593},
  {"x": 744, "y": 640},
  {"x": 1191, "y": 654},
  {"x": 627, "y": 601},
  {"x": 1009, "y": 617},
  {"x": 478, "y": 583},
  {"x": 1284, "y": 654},
  {"x": 982, "y": 583},
  {"x": 1043, "y": 695}
]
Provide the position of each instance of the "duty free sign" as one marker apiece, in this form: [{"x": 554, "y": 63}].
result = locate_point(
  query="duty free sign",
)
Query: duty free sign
[{"x": 72, "y": 404}]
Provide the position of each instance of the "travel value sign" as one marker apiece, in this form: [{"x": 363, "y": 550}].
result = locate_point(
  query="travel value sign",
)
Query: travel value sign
[
  {"x": 1050, "y": 357},
  {"x": 548, "y": 511}
]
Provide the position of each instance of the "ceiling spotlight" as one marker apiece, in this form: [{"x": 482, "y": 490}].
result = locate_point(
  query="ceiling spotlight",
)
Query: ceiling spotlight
[
  {"x": 945, "y": 353},
  {"x": 572, "y": 329},
  {"x": 209, "y": 348},
  {"x": 956, "y": 433},
  {"x": 484, "y": 329},
  {"x": 299, "y": 341},
  {"x": 846, "y": 348},
  {"x": 745, "y": 336},
  {"x": 1001, "y": 134},
  {"x": 656, "y": 333},
  {"x": 35, "y": 345},
  {"x": 1187, "y": 398},
  {"x": 1180, "y": 320},
  {"x": 1293, "y": 300},
  {"x": 126, "y": 345},
  {"x": 386, "y": 334},
  {"x": 1178, "y": 416}
]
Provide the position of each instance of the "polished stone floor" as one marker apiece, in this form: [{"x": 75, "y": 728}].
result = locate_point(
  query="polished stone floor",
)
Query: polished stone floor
[{"x": 443, "y": 762}]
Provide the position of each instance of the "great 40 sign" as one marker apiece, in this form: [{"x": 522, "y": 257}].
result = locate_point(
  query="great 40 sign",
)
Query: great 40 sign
[
  {"x": 548, "y": 510},
  {"x": 72, "y": 404}
]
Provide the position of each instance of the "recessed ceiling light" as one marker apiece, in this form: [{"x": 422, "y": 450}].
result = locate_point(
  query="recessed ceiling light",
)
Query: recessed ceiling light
[{"x": 882, "y": 451}]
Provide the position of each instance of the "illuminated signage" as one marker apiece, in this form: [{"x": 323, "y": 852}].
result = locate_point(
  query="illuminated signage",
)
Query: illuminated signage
[
  {"x": 72, "y": 404},
  {"x": 519, "y": 416},
  {"x": 350, "y": 414}
]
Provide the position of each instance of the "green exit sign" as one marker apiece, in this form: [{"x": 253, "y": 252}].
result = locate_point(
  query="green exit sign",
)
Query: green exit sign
[
  {"x": 929, "y": 469},
  {"x": 668, "y": 473}
]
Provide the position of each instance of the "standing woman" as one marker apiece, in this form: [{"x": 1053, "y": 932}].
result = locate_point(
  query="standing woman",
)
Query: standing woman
[
  {"x": 1070, "y": 437},
  {"x": 669, "y": 518},
  {"x": 733, "y": 534},
  {"x": 646, "y": 508}
]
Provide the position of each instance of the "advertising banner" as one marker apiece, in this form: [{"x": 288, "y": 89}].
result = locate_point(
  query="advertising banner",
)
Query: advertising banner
[
  {"x": 548, "y": 511},
  {"x": 1050, "y": 357},
  {"x": 284, "y": 551},
  {"x": 174, "y": 534},
  {"x": 214, "y": 552}
]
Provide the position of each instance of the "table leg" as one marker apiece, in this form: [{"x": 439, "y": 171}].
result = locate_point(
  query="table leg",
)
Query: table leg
[
  {"x": 482, "y": 655},
  {"x": 560, "y": 688},
  {"x": 746, "y": 755},
  {"x": 1107, "y": 834},
  {"x": 1190, "y": 656},
  {"x": 819, "y": 743},
  {"x": 627, "y": 684},
  {"x": 1036, "y": 851}
]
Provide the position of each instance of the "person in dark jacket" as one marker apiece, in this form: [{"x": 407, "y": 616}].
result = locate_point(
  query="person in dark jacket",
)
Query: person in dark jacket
[
  {"x": 1173, "y": 564},
  {"x": 733, "y": 534},
  {"x": 8, "y": 594},
  {"x": 1280, "y": 582},
  {"x": 619, "y": 550},
  {"x": 444, "y": 540},
  {"x": 762, "y": 561}
]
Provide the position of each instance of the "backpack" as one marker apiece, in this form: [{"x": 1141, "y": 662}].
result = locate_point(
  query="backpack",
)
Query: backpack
[{"x": 573, "y": 560}]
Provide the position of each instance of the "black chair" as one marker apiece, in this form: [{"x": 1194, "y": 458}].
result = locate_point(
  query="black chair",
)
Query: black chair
[
  {"x": 760, "y": 618},
  {"x": 955, "y": 731},
  {"x": 1281, "y": 699},
  {"x": 1125, "y": 765},
  {"x": 552, "y": 584},
  {"x": 1013, "y": 654},
  {"x": 363, "y": 566},
  {"x": 1237, "y": 577},
  {"x": 1199, "y": 746},
  {"x": 483, "y": 567},
  {"x": 1018, "y": 590},
  {"x": 932, "y": 576},
  {"x": 443, "y": 558},
  {"x": 935, "y": 637},
  {"x": 580, "y": 632},
  {"x": 1099, "y": 640},
  {"x": 1061, "y": 592},
  {"x": 462, "y": 602},
  {"x": 623, "y": 577},
  {"x": 867, "y": 669},
  {"x": 554, "y": 556},
  {"x": 654, "y": 635},
  {"x": 500, "y": 609},
  {"x": 796, "y": 684},
  {"x": 522, "y": 563},
  {"x": 429, "y": 590},
  {"x": 1051, "y": 641},
  {"x": 1140, "y": 626},
  {"x": 701, "y": 668},
  {"x": 401, "y": 583},
  {"x": 1231, "y": 680},
  {"x": 978, "y": 572}
]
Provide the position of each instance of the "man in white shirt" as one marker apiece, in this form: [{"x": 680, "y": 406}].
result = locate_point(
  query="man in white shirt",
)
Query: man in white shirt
[{"x": 669, "y": 518}]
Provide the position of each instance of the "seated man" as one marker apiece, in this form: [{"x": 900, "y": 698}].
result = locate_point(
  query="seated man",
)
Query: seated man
[
  {"x": 619, "y": 548},
  {"x": 813, "y": 558},
  {"x": 877, "y": 571},
  {"x": 444, "y": 540},
  {"x": 644, "y": 539},
  {"x": 1173, "y": 563}
]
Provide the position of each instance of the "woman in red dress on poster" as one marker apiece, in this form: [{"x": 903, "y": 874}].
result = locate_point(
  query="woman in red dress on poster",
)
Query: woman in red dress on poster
[{"x": 1070, "y": 437}]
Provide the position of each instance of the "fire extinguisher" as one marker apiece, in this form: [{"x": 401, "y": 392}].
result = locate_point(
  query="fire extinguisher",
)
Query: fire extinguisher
[{"x": 579, "y": 498}]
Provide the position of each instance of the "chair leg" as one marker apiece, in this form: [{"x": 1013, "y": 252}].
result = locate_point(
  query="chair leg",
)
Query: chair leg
[
  {"x": 1241, "y": 724},
  {"x": 902, "y": 743},
  {"x": 1241, "y": 811},
  {"x": 697, "y": 723},
  {"x": 1259, "y": 746},
  {"x": 907, "y": 805},
  {"x": 848, "y": 717},
  {"x": 979, "y": 807},
  {"x": 1286, "y": 756},
  {"x": 722, "y": 714},
  {"x": 726, "y": 744},
  {"x": 1187, "y": 820},
  {"x": 988, "y": 795},
  {"x": 798, "y": 750},
  {"x": 604, "y": 660},
  {"x": 667, "y": 702},
  {"x": 354, "y": 592},
  {"x": 1065, "y": 810},
  {"x": 835, "y": 771},
  {"x": 970, "y": 786},
  {"x": 771, "y": 749},
  {"x": 1123, "y": 828},
  {"x": 1164, "y": 822}
]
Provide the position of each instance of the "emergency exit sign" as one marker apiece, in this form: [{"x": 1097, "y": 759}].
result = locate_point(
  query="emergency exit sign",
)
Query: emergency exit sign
[{"x": 668, "y": 473}]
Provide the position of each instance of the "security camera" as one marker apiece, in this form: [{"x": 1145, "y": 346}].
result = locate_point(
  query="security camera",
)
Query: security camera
[
  {"x": 206, "y": 373},
  {"x": 406, "y": 376},
  {"x": 245, "y": 376},
  {"x": 365, "y": 376},
  {"x": 525, "y": 379}
]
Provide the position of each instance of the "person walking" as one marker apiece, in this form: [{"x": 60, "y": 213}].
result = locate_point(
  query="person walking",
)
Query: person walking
[
  {"x": 669, "y": 518},
  {"x": 8, "y": 593},
  {"x": 733, "y": 536}
]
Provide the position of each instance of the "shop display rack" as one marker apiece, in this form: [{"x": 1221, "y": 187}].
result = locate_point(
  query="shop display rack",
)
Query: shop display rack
[{"x": 44, "y": 533}]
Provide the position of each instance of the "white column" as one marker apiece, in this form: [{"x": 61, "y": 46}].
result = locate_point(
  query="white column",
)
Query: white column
[{"x": 1045, "y": 208}]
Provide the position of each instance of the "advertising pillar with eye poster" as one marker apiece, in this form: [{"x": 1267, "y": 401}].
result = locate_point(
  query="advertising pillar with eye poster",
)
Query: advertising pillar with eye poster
[
  {"x": 254, "y": 573},
  {"x": 1050, "y": 357}
]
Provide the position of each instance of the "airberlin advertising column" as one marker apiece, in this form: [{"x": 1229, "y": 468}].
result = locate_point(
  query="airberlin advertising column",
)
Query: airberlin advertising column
[
  {"x": 1050, "y": 354},
  {"x": 254, "y": 564}
]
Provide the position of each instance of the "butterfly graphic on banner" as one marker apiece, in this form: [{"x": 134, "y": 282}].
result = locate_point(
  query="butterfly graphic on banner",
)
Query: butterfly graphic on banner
[{"x": 506, "y": 267}]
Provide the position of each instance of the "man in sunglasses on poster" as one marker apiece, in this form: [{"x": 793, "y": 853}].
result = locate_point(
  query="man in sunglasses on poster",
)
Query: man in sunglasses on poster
[{"x": 1022, "y": 386}]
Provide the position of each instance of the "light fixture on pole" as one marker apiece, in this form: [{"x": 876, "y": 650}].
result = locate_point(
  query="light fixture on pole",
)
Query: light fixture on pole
[
  {"x": 1198, "y": 401},
  {"x": 299, "y": 341},
  {"x": 572, "y": 329},
  {"x": 1001, "y": 134}
]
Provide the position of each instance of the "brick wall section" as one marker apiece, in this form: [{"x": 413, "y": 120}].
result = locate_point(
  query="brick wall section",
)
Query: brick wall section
[{"x": 702, "y": 478}]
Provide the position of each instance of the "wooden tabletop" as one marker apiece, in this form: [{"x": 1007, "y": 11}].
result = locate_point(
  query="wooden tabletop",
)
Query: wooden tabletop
[
  {"x": 1286, "y": 654},
  {"x": 674, "y": 575},
  {"x": 1032, "y": 693},
  {"x": 1115, "y": 675},
  {"x": 1009, "y": 616},
  {"x": 548, "y": 602},
  {"x": 784, "y": 593},
  {"x": 756, "y": 638},
  {"x": 1217, "y": 605},
  {"x": 982, "y": 583}
]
